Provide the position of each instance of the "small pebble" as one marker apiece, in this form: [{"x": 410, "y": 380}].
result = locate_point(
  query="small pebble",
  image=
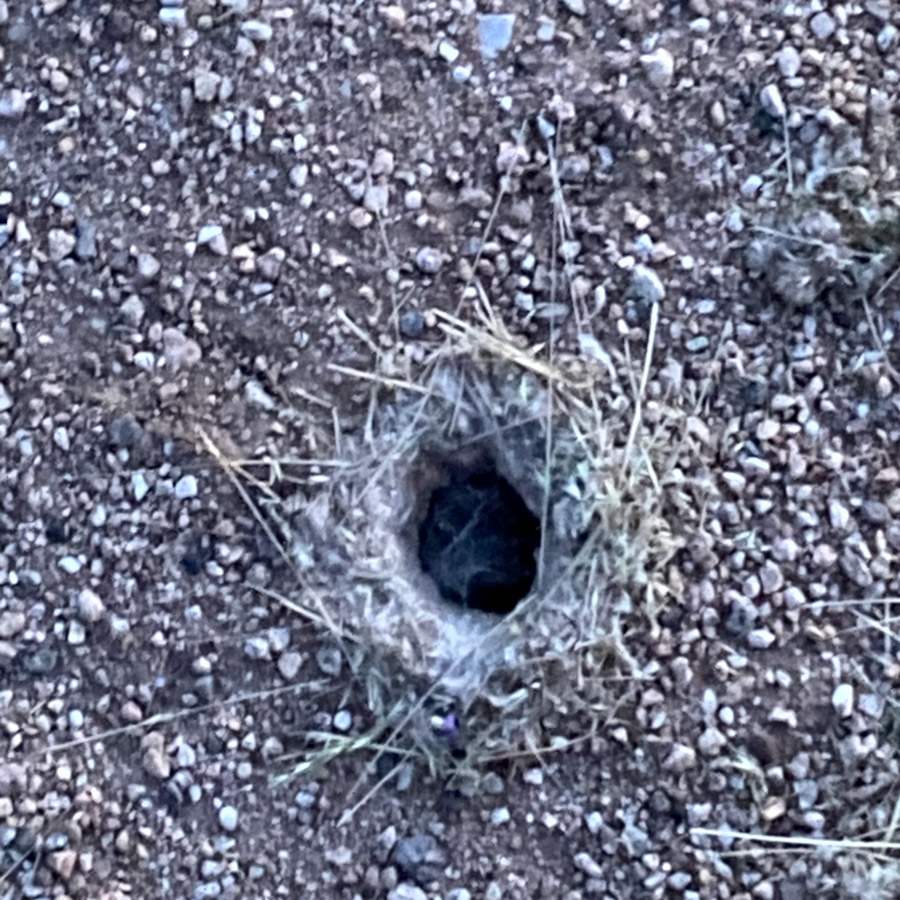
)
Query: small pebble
[
  {"x": 659, "y": 66},
  {"x": 429, "y": 260},
  {"x": 343, "y": 721},
  {"x": 576, "y": 7},
  {"x": 822, "y": 26},
  {"x": 646, "y": 285},
  {"x": 70, "y": 564},
  {"x": 788, "y": 60},
  {"x": 500, "y": 816},
  {"x": 760, "y": 639},
  {"x": 412, "y": 324},
  {"x": 771, "y": 100},
  {"x": 186, "y": 487},
  {"x": 842, "y": 700},
  {"x": 495, "y": 31},
  {"x": 90, "y": 606},
  {"x": 228, "y": 818}
]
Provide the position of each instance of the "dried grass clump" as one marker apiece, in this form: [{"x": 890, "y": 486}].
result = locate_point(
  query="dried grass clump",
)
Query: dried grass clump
[{"x": 597, "y": 461}]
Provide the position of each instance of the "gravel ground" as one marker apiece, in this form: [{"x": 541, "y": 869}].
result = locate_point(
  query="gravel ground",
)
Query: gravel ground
[{"x": 207, "y": 207}]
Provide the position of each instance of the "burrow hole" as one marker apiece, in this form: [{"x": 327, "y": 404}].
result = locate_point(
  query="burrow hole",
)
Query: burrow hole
[{"x": 477, "y": 538}]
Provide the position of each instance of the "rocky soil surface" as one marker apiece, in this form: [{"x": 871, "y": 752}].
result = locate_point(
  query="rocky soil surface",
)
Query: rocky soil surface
[{"x": 209, "y": 211}]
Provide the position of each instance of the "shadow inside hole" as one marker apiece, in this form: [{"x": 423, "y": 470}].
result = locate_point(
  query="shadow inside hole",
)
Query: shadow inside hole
[{"x": 478, "y": 539}]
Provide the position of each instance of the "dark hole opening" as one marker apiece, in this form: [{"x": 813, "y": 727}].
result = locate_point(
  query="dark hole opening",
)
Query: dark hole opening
[{"x": 478, "y": 540}]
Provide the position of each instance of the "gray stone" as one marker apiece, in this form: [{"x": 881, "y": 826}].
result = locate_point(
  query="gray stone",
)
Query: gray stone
[
  {"x": 329, "y": 659},
  {"x": 148, "y": 266},
  {"x": 574, "y": 168},
  {"x": 772, "y": 102},
  {"x": 429, "y": 260},
  {"x": 85, "y": 240},
  {"x": 12, "y": 104},
  {"x": 887, "y": 37},
  {"x": 11, "y": 624},
  {"x": 90, "y": 606},
  {"x": 289, "y": 664},
  {"x": 412, "y": 324},
  {"x": 228, "y": 818},
  {"x": 181, "y": 351},
  {"x": 495, "y": 32},
  {"x": 788, "y": 60},
  {"x": 406, "y": 891},
  {"x": 41, "y": 661},
  {"x": 646, "y": 285},
  {"x": 257, "y": 396},
  {"x": 256, "y": 648},
  {"x": 6, "y": 400},
  {"x": 822, "y": 26},
  {"x": 186, "y": 487},
  {"x": 206, "y": 86},
  {"x": 418, "y": 857},
  {"x": 257, "y": 30},
  {"x": 760, "y": 639},
  {"x": 576, "y": 7},
  {"x": 659, "y": 66},
  {"x": 60, "y": 243}
]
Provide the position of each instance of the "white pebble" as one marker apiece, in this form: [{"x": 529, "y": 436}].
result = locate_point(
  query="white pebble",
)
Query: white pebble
[
  {"x": 228, "y": 818},
  {"x": 772, "y": 101},
  {"x": 186, "y": 487},
  {"x": 500, "y": 816},
  {"x": 659, "y": 66},
  {"x": 842, "y": 700},
  {"x": 343, "y": 720},
  {"x": 70, "y": 564}
]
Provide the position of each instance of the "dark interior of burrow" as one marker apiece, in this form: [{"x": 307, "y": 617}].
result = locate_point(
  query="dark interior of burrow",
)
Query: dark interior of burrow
[{"x": 477, "y": 538}]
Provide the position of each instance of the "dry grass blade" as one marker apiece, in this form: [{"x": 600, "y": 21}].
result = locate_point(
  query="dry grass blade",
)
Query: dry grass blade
[
  {"x": 174, "y": 715},
  {"x": 809, "y": 843}
]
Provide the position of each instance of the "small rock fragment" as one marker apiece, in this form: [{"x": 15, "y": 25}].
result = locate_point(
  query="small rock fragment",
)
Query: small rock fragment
[
  {"x": 289, "y": 664},
  {"x": 855, "y": 568},
  {"x": 842, "y": 700},
  {"x": 788, "y": 60},
  {"x": 772, "y": 102},
  {"x": 85, "y": 240},
  {"x": 6, "y": 400},
  {"x": 60, "y": 244},
  {"x": 257, "y": 396},
  {"x": 822, "y": 26},
  {"x": 180, "y": 351},
  {"x": 760, "y": 639},
  {"x": 659, "y": 66},
  {"x": 148, "y": 266},
  {"x": 90, "y": 606},
  {"x": 206, "y": 86},
  {"x": 12, "y": 104},
  {"x": 11, "y": 624},
  {"x": 359, "y": 218},
  {"x": 186, "y": 487},
  {"x": 270, "y": 263},
  {"x": 228, "y": 818},
  {"x": 429, "y": 260},
  {"x": 576, "y": 7},
  {"x": 257, "y": 30},
  {"x": 412, "y": 324},
  {"x": 587, "y": 864},
  {"x": 646, "y": 285},
  {"x": 213, "y": 236},
  {"x": 156, "y": 763},
  {"x": 495, "y": 31},
  {"x": 681, "y": 758}
]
